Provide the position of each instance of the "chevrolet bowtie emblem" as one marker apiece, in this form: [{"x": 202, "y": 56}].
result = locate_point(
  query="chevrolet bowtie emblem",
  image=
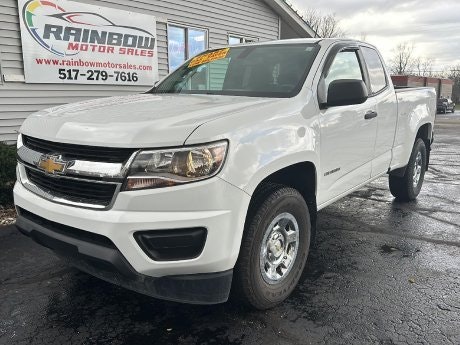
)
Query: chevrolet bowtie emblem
[{"x": 52, "y": 164}]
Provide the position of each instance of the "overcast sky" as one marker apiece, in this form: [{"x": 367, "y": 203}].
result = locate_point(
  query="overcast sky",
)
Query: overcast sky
[{"x": 432, "y": 25}]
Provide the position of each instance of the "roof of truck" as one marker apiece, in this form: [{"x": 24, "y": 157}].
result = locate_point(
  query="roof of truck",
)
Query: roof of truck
[
  {"x": 325, "y": 41},
  {"x": 320, "y": 41}
]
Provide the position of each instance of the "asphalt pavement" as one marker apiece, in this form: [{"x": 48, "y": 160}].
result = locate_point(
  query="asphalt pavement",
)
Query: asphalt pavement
[{"x": 382, "y": 272}]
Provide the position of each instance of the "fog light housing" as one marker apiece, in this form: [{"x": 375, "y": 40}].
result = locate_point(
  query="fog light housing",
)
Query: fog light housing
[{"x": 172, "y": 245}]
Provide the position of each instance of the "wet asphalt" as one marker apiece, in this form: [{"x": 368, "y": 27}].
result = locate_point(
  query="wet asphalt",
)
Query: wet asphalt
[{"x": 382, "y": 272}]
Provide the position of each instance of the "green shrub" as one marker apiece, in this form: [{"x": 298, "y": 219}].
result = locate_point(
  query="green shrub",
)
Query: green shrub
[{"x": 7, "y": 173}]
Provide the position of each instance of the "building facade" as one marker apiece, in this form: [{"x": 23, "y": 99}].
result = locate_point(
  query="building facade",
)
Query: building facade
[
  {"x": 183, "y": 28},
  {"x": 443, "y": 87}
]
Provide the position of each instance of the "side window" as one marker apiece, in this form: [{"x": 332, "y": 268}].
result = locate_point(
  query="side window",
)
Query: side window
[
  {"x": 375, "y": 69},
  {"x": 345, "y": 66},
  {"x": 235, "y": 39},
  {"x": 183, "y": 43}
]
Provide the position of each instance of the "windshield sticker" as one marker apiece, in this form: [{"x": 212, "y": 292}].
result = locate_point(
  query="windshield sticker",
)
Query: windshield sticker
[{"x": 208, "y": 57}]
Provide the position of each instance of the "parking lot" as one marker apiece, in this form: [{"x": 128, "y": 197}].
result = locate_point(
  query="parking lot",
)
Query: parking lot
[{"x": 382, "y": 272}]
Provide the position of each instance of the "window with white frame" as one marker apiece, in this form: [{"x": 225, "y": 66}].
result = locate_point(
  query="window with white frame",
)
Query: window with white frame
[
  {"x": 185, "y": 42},
  {"x": 236, "y": 39}
]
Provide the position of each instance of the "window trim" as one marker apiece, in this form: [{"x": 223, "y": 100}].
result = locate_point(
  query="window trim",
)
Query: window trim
[
  {"x": 186, "y": 27},
  {"x": 333, "y": 52},
  {"x": 387, "y": 84}
]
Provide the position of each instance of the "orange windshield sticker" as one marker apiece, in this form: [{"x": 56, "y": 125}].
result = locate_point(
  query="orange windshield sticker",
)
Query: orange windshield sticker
[{"x": 208, "y": 57}]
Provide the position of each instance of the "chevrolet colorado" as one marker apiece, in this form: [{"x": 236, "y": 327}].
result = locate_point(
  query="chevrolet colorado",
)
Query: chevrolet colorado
[{"x": 212, "y": 180}]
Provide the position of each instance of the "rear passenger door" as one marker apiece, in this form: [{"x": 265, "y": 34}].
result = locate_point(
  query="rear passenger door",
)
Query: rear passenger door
[{"x": 386, "y": 107}]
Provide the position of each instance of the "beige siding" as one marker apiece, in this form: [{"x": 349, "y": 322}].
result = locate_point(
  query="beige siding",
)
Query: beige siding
[{"x": 18, "y": 100}]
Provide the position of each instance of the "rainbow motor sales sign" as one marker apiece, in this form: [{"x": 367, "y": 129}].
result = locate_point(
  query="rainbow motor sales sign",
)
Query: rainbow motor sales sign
[{"x": 72, "y": 43}]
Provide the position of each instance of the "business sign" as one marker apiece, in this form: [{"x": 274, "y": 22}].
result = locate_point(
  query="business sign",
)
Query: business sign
[{"x": 73, "y": 43}]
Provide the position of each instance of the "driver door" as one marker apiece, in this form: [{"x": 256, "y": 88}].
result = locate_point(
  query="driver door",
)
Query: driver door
[{"x": 347, "y": 137}]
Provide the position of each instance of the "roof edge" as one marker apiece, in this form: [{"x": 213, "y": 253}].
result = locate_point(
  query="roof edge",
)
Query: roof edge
[{"x": 288, "y": 14}]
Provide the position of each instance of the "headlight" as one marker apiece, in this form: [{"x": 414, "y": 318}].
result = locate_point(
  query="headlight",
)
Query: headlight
[{"x": 171, "y": 167}]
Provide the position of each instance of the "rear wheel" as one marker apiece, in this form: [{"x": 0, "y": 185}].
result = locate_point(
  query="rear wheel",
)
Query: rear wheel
[
  {"x": 274, "y": 248},
  {"x": 408, "y": 186}
]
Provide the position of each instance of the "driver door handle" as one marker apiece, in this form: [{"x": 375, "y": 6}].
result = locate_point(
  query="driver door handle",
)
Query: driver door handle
[{"x": 370, "y": 115}]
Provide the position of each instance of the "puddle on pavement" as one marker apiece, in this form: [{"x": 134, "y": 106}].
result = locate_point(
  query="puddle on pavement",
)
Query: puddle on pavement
[{"x": 403, "y": 249}]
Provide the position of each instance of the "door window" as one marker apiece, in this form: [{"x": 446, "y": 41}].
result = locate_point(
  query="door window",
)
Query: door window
[{"x": 345, "y": 66}]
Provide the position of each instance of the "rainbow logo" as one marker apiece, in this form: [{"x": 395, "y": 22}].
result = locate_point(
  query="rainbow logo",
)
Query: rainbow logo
[
  {"x": 38, "y": 15},
  {"x": 29, "y": 14}
]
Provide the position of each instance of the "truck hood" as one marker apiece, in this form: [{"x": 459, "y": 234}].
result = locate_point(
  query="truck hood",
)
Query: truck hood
[{"x": 145, "y": 120}]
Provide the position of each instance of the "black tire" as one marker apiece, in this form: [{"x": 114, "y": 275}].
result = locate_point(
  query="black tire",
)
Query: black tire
[
  {"x": 403, "y": 187},
  {"x": 250, "y": 286}
]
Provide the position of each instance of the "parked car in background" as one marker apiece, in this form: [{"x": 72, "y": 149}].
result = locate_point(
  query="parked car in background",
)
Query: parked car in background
[
  {"x": 212, "y": 180},
  {"x": 444, "y": 105}
]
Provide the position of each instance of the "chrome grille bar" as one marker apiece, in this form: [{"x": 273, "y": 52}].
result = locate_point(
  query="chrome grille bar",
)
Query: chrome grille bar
[
  {"x": 83, "y": 183},
  {"x": 81, "y": 167}
]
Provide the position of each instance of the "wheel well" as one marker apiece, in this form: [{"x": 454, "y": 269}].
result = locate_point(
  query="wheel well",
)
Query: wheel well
[
  {"x": 425, "y": 133},
  {"x": 302, "y": 177}
]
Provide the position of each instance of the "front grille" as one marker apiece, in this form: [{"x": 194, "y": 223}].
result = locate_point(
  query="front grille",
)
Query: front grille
[
  {"x": 73, "y": 190},
  {"x": 67, "y": 230},
  {"x": 79, "y": 152}
]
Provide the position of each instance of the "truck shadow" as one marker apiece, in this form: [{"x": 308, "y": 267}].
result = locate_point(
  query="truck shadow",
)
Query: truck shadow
[{"x": 109, "y": 312}]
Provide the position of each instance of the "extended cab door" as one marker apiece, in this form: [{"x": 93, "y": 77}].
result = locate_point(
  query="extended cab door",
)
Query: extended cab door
[
  {"x": 387, "y": 110},
  {"x": 347, "y": 132}
]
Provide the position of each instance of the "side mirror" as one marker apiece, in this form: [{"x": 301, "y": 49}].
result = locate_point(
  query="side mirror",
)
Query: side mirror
[{"x": 346, "y": 92}]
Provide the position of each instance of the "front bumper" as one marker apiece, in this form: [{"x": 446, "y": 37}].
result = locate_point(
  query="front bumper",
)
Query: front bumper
[
  {"x": 213, "y": 204},
  {"x": 102, "y": 259}
]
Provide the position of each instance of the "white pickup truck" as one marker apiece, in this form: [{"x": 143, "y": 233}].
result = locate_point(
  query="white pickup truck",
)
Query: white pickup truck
[{"x": 212, "y": 180}]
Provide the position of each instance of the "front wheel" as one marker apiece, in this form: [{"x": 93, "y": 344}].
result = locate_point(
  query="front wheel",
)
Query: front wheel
[
  {"x": 274, "y": 248},
  {"x": 408, "y": 186}
]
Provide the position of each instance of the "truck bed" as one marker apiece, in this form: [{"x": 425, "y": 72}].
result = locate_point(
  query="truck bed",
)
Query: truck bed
[{"x": 399, "y": 89}]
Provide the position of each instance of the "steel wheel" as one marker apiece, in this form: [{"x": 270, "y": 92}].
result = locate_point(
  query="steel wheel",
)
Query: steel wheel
[
  {"x": 274, "y": 248},
  {"x": 417, "y": 169},
  {"x": 279, "y": 248}
]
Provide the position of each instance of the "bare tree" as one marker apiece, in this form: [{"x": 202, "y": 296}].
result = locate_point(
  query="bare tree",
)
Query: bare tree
[
  {"x": 423, "y": 66},
  {"x": 325, "y": 25},
  {"x": 454, "y": 75},
  {"x": 363, "y": 37},
  {"x": 403, "y": 59}
]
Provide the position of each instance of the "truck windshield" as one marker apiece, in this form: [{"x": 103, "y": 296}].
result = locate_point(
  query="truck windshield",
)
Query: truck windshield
[{"x": 276, "y": 70}]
